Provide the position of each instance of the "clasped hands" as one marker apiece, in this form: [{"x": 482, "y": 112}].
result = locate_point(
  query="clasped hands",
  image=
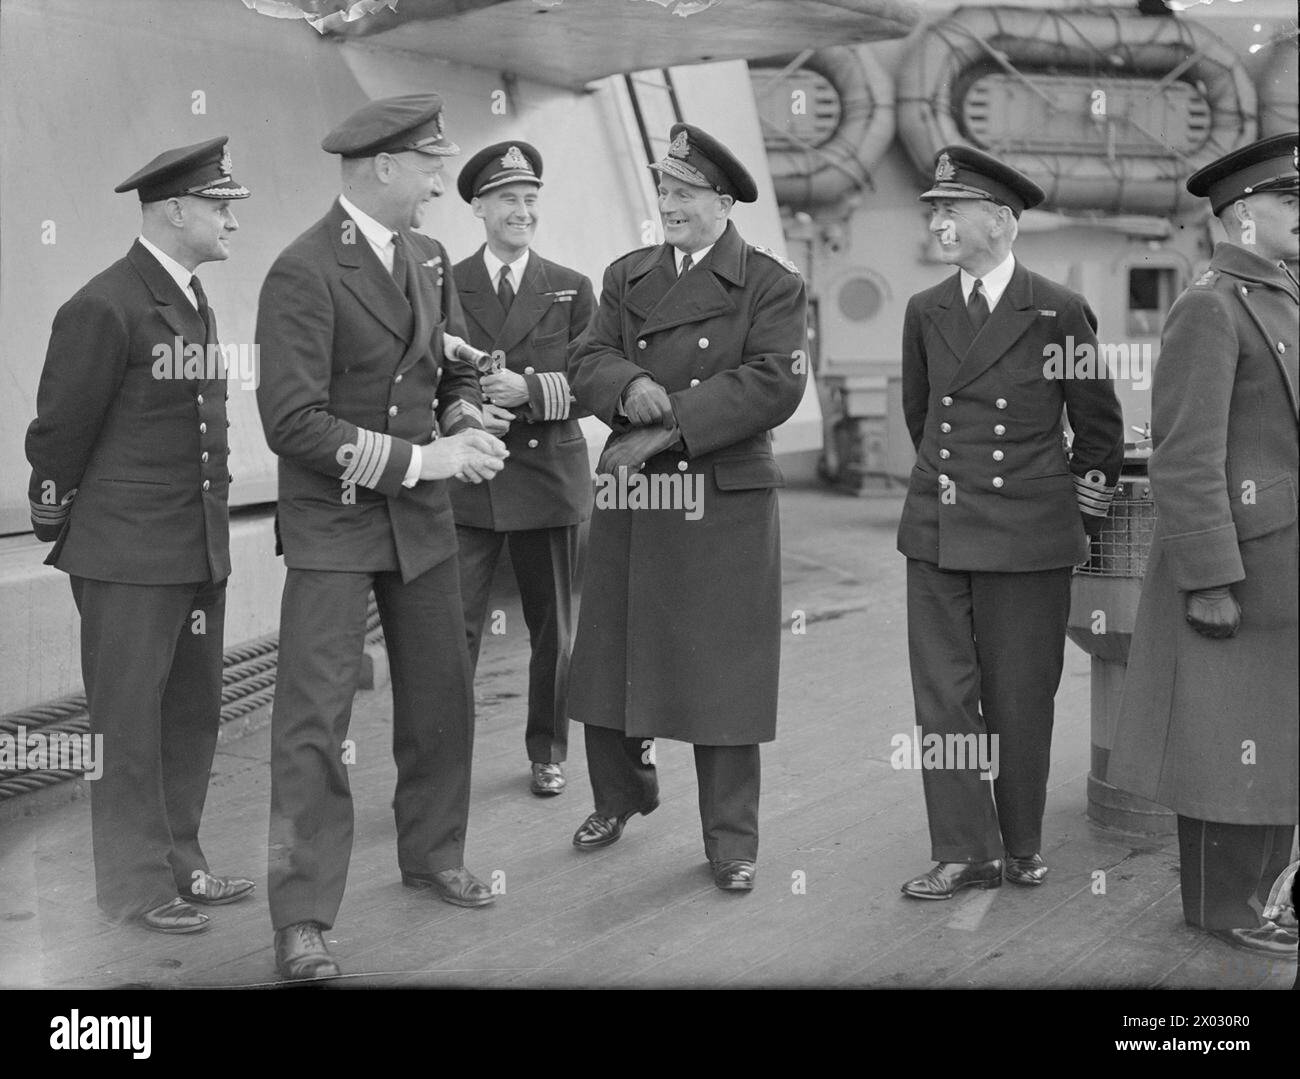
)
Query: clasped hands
[{"x": 471, "y": 456}]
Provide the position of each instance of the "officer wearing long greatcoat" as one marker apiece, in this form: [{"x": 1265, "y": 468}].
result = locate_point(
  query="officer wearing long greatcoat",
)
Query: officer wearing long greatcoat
[
  {"x": 996, "y": 514},
  {"x": 129, "y": 478},
  {"x": 1211, "y": 707},
  {"x": 694, "y": 356},
  {"x": 525, "y": 310},
  {"x": 370, "y": 420}
]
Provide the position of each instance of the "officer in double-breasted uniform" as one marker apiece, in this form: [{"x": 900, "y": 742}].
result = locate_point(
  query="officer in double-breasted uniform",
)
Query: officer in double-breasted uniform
[
  {"x": 526, "y": 310},
  {"x": 996, "y": 514},
  {"x": 695, "y": 354},
  {"x": 370, "y": 420},
  {"x": 1208, "y": 724},
  {"x": 129, "y": 478}
]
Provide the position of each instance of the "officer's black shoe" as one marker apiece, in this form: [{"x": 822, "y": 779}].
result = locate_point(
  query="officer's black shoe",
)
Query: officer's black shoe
[
  {"x": 947, "y": 878},
  {"x": 1031, "y": 870},
  {"x": 733, "y": 874},
  {"x": 600, "y": 831}
]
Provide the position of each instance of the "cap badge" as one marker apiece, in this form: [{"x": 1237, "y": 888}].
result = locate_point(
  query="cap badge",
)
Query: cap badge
[
  {"x": 679, "y": 147},
  {"x": 225, "y": 162},
  {"x": 514, "y": 159},
  {"x": 944, "y": 170}
]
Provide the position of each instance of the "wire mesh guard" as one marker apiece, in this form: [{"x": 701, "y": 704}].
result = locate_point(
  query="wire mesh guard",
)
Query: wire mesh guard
[{"x": 1122, "y": 547}]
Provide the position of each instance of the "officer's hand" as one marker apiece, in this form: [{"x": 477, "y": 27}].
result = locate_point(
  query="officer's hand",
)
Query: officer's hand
[
  {"x": 1093, "y": 524},
  {"x": 505, "y": 388},
  {"x": 1213, "y": 612},
  {"x": 471, "y": 455},
  {"x": 496, "y": 419},
  {"x": 645, "y": 402},
  {"x": 632, "y": 449}
]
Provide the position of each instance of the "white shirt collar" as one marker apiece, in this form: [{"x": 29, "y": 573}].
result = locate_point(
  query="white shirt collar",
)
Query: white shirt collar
[
  {"x": 175, "y": 270},
  {"x": 372, "y": 230},
  {"x": 696, "y": 256},
  {"x": 494, "y": 265},
  {"x": 994, "y": 282}
]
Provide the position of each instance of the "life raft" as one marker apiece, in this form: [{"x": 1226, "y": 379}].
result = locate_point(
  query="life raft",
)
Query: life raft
[
  {"x": 1278, "y": 109},
  {"x": 809, "y": 176},
  {"x": 1105, "y": 110}
]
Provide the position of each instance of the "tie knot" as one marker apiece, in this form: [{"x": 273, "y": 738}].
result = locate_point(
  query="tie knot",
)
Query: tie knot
[
  {"x": 504, "y": 276},
  {"x": 975, "y": 288},
  {"x": 197, "y": 286},
  {"x": 687, "y": 263}
]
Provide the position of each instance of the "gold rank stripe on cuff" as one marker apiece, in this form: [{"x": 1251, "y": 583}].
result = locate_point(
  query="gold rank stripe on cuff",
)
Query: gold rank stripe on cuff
[
  {"x": 371, "y": 456},
  {"x": 42, "y": 514},
  {"x": 460, "y": 412},
  {"x": 555, "y": 395},
  {"x": 1093, "y": 495}
]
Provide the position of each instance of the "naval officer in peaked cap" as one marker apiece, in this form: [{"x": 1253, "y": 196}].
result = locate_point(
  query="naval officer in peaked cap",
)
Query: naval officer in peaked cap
[
  {"x": 695, "y": 354},
  {"x": 371, "y": 420},
  {"x": 130, "y": 481},
  {"x": 526, "y": 310},
  {"x": 997, "y": 513},
  {"x": 1208, "y": 723}
]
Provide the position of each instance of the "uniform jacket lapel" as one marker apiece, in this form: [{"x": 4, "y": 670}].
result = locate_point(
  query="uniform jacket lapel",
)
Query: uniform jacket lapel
[
  {"x": 950, "y": 318},
  {"x": 174, "y": 307},
  {"x": 669, "y": 301},
  {"x": 531, "y": 303},
  {"x": 364, "y": 275},
  {"x": 479, "y": 298},
  {"x": 1007, "y": 323}
]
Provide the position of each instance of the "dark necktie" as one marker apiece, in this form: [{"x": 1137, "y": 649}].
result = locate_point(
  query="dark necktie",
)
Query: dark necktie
[
  {"x": 400, "y": 268},
  {"x": 977, "y": 307},
  {"x": 505, "y": 293},
  {"x": 686, "y": 265},
  {"x": 205, "y": 312}
]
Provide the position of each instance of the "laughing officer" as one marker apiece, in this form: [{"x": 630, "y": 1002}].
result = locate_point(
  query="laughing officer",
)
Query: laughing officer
[
  {"x": 370, "y": 420},
  {"x": 526, "y": 309},
  {"x": 1209, "y": 717},
  {"x": 129, "y": 478},
  {"x": 996, "y": 515},
  {"x": 694, "y": 356}
]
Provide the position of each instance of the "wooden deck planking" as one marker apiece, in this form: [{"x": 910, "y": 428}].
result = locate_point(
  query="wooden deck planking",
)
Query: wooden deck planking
[{"x": 644, "y": 912}]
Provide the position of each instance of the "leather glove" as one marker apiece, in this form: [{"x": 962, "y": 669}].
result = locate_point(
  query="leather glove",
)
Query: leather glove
[
  {"x": 1092, "y": 525},
  {"x": 632, "y": 449},
  {"x": 1213, "y": 612},
  {"x": 645, "y": 402}
]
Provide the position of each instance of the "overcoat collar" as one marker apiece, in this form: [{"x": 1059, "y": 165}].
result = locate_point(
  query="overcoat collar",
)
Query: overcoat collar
[
  {"x": 364, "y": 275},
  {"x": 1247, "y": 266},
  {"x": 479, "y": 298},
  {"x": 1006, "y": 324},
  {"x": 174, "y": 307},
  {"x": 664, "y": 300}
]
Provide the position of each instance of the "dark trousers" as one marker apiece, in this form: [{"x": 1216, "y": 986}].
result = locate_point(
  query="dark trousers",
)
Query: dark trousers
[
  {"x": 986, "y": 653},
  {"x": 151, "y": 659},
  {"x": 624, "y": 778},
  {"x": 544, "y": 560},
  {"x": 1227, "y": 870},
  {"x": 322, "y": 631}
]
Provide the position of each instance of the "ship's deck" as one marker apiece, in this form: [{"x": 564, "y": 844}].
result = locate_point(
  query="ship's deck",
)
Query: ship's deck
[{"x": 841, "y": 829}]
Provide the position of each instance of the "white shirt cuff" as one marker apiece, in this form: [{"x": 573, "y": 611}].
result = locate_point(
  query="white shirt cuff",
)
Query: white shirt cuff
[{"x": 412, "y": 476}]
